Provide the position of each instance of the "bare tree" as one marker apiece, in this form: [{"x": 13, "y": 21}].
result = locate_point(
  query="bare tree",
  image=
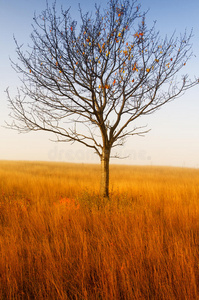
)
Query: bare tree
[{"x": 101, "y": 74}]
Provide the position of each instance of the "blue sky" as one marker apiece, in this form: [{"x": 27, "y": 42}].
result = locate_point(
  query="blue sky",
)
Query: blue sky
[{"x": 174, "y": 136}]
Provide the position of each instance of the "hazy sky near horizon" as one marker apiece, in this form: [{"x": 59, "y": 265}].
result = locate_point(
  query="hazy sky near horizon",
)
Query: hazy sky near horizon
[{"x": 174, "y": 136}]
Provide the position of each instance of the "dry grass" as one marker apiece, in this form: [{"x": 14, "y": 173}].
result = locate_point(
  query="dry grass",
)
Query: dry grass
[{"x": 57, "y": 241}]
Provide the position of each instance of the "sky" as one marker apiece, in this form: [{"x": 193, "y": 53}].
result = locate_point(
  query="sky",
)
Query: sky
[{"x": 174, "y": 136}]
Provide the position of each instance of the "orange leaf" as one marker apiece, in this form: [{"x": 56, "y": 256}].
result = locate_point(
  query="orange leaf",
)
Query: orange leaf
[
  {"x": 136, "y": 35},
  {"x": 147, "y": 70},
  {"x": 114, "y": 82},
  {"x": 135, "y": 67}
]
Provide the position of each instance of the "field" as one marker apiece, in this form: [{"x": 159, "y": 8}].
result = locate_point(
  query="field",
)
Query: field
[{"x": 59, "y": 240}]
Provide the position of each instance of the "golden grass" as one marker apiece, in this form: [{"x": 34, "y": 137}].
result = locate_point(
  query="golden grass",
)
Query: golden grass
[{"x": 59, "y": 241}]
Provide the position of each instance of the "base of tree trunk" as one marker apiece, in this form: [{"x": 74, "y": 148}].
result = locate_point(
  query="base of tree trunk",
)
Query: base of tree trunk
[{"x": 104, "y": 187}]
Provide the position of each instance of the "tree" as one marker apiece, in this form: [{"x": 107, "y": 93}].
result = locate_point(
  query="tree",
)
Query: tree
[{"x": 102, "y": 74}]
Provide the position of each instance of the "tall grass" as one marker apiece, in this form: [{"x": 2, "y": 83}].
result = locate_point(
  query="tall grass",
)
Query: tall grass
[{"x": 59, "y": 240}]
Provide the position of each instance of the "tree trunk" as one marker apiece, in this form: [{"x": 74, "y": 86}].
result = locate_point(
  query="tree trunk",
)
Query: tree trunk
[{"x": 104, "y": 188}]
